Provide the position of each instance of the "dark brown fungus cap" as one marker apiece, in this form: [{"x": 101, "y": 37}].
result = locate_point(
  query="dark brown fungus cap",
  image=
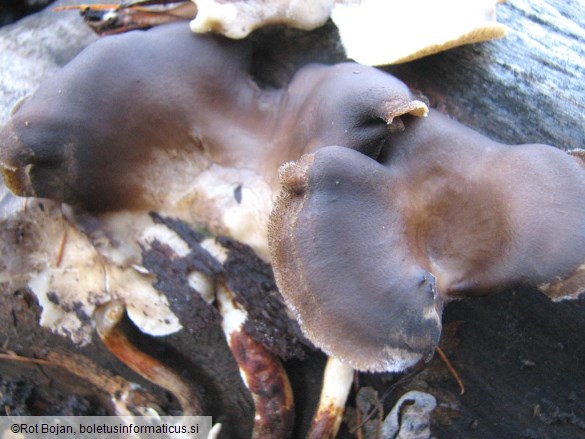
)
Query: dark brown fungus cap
[
  {"x": 90, "y": 133},
  {"x": 366, "y": 253},
  {"x": 344, "y": 266},
  {"x": 104, "y": 132}
]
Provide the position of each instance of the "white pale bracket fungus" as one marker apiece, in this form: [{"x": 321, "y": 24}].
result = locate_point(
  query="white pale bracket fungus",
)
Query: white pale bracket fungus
[
  {"x": 373, "y": 32},
  {"x": 43, "y": 250},
  {"x": 238, "y": 18},
  {"x": 381, "y": 32}
]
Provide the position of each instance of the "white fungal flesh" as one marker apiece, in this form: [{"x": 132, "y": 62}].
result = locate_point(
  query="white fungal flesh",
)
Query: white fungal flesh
[
  {"x": 214, "y": 432},
  {"x": 146, "y": 307},
  {"x": 237, "y": 19},
  {"x": 69, "y": 276},
  {"x": 225, "y": 201},
  {"x": 215, "y": 249},
  {"x": 211, "y": 200},
  {"x": 106, "y": 264},
  {"x": 162, "y": 234},
  {"x": 233, "y": 319},
  {"x": 380, "y": 32},
  {"x": 203, "y": 285}
]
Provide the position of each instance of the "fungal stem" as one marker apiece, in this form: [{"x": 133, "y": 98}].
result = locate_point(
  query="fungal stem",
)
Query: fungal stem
[
  {"x": 337, "y": 380},
  {"x": 451, "y": 369},
  {"x": 261, "y": 371},
  {"x": 107, "y": 319},
  {"x": 214, "y": 432}
]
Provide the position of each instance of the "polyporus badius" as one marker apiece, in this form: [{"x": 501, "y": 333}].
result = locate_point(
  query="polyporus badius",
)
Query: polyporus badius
[
  {"x": 191, "y": 141},
  {"x": 367, "y": 250},
  {"x": 174, "y": 122}
]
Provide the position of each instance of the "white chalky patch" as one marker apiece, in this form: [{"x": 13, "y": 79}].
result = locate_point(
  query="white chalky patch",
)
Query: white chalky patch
[
  {"x": 164, "y": 235},
  {"x": 233, "y": 318},
  {"x": 367, "y": 28},
  {"x": 203, "y": 285},
  {"x": 69, "y": 287},
  {"x": 236, "y": 19},
  {"x": 215, "y": 249}
]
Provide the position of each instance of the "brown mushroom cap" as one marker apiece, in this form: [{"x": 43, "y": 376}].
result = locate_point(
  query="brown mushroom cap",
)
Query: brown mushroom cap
[
  {"x": 366, "y": 253},
  {"x": 90, "y": 132},
  {"x": 488, "y": 216},
  {"x": 344, "y": 267},
  {"x": 113, "y": 128}
]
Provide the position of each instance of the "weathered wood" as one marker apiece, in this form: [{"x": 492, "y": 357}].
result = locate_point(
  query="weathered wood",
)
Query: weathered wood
[
  {"x": 35, "y": 47},
  {"x": 525, "y": 88}
]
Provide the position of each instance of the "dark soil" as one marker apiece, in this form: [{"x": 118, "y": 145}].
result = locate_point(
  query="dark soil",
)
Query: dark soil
[{"x": 13, "y": 10}]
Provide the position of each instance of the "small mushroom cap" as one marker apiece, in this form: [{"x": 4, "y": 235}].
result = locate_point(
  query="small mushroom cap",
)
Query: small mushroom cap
[
  {"x": 343, "y": 265},
  {"x": 349, "y": 105}
]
